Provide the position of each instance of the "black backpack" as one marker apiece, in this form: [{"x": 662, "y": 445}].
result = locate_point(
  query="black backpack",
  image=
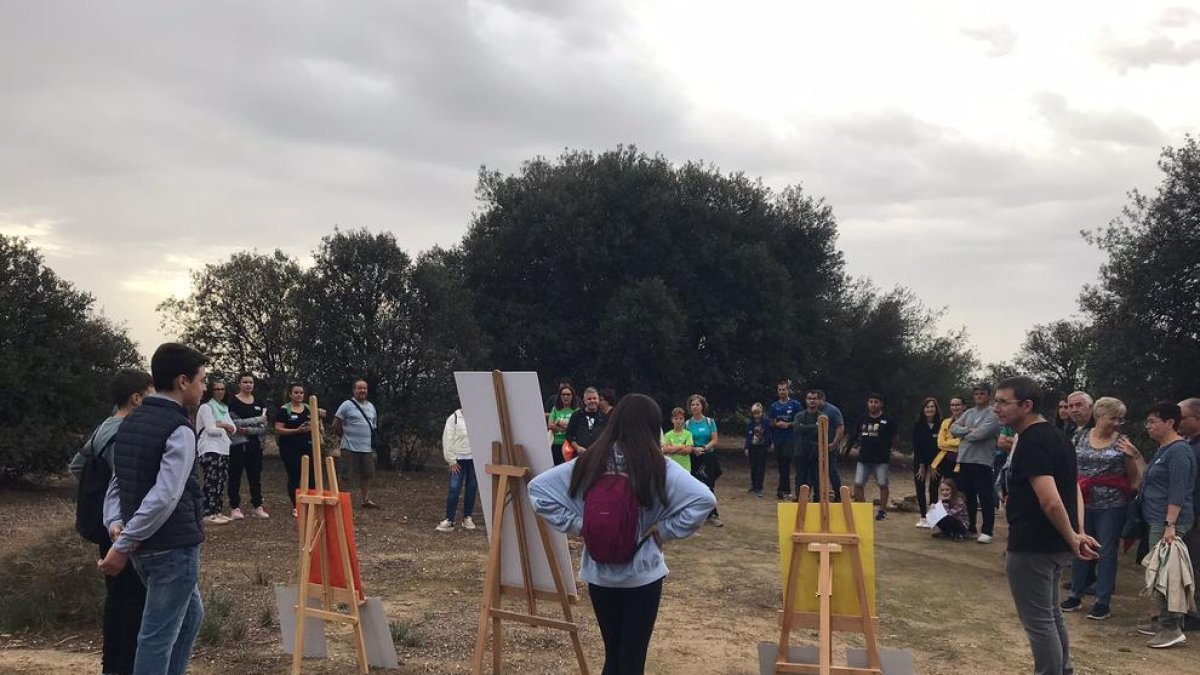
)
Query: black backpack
[{"x": 89, "y": 499}]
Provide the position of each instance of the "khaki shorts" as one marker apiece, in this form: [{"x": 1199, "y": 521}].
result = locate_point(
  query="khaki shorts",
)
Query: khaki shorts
[{"x": 360, "y": 464}]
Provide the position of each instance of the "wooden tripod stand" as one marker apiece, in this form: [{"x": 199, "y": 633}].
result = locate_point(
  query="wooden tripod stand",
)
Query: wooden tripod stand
[
  {"x": 510, "y": 479},
  {"x": 826, "y": 544},
  {"x": 314, "y": 509}
]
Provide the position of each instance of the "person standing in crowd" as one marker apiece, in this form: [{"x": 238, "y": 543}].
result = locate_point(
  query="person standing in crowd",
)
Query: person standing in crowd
[
  {"x": 357, "y": 422},
  {"x": 1110, "y": 469},
  {"x": 608, "y": 401},
  {"x": 214, "y": 428},
  {"x": 924, "y": 442},
  {"x": 977, "y": 430},
  {"x": 557, "y": 420},
  {"x": 945, "y": 464},
  {"x": 124, "y": 594},
  {"x": 1189, "y": 428},
  {"x": 1079, "y": 409},
  {"x": 783, "y": 409},
  {"x": 1043, "y": 521},
  {"x": 669, "y": 503},
  {"x": 293, "y": 426},
  {"x": 705, "y": 465},
  {"x": 876, "y": 440},
  {"x": 457, "y": 450},
  {"x": 249, "y": 416},
  {"x": 154, "y": 510},
  {"x": 837, "y": 429},
  {"x": 586, "y": 424},
  {"x": 553, "y": 399},
  {"x": 677, "y": 443},
  {"x": 757, "y": 444},
  {"x": 1063, "y": 419},
  {"x": 806, "y": 454},
  {"x": 1167, "y": 493}
]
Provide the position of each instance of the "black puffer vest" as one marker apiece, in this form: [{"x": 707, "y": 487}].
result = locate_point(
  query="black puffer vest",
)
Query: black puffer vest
[{"x": 138, "y": 450}]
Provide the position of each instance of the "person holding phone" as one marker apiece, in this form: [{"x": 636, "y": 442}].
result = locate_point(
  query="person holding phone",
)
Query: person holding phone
[
  {"x": 1110, "y": 469},
  {"x": 293, "y": 426}
]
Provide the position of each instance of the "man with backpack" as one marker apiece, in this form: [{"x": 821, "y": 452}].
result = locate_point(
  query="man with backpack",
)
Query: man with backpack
[
  {"x": 154, "y": 510},
  {"x": 92, "y": 466},
  {"x": 358, "y": 424}
]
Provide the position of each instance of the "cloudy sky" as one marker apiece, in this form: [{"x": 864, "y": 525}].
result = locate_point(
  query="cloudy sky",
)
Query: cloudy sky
[{"x": 962, "y": 145}]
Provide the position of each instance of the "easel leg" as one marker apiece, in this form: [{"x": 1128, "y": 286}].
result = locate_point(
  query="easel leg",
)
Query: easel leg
[
  {"x": 491, "y": 584},
  {"x": 306, "y": 516},
  {"x": 869, "y": 636},
  {"x": 793, "y": 580}
]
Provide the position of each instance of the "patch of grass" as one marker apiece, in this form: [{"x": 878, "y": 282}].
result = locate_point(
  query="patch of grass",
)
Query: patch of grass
[
  {"x": 219, "y": 620},
  {"x": 266, "y": 618},
  {"x": 51, "y": 585},
  {"x": 260, "y": 577},
  {"x": 407, "y": 633}
]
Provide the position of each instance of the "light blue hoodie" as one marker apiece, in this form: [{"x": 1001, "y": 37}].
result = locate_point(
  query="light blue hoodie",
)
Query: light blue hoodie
[{"x": 688, "y": 504}]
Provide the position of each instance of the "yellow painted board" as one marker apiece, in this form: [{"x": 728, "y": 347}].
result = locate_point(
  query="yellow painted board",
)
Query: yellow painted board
[{"x": 845, "y": 594}]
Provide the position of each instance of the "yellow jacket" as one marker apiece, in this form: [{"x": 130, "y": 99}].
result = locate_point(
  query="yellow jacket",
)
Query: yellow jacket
[{"x": 946, "y": 442}]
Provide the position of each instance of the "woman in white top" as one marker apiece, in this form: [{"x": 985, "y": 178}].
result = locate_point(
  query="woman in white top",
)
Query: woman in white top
[{"x": 214, "y": 428}]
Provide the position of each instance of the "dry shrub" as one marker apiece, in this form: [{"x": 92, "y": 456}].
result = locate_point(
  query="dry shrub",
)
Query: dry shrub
[{"x": 51, "y": 584}]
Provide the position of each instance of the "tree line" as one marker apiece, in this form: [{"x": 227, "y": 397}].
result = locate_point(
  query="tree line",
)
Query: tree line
[{"x": 617, "y": 269}]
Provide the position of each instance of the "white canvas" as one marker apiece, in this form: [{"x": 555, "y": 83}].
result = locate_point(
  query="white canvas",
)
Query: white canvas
[{"x": 528, "y": 425}]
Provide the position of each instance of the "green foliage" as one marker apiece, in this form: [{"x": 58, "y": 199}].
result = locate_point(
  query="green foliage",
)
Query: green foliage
[
  {"x": 220, "y": 622},
  {"x": 407, "y": 633},
  {"x": 1145, "y": 310},
  {"x": 51, "y": 585},
  {"x": 56, "y": 359},
  {"x": 1056, "y": 354}
]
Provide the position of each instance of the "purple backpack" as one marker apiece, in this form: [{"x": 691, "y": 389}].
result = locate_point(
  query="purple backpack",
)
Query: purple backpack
[{"x": 610, "y": 520}]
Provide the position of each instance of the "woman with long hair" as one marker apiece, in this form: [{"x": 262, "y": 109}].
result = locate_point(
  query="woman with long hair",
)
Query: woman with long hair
[
  {"x": 705, "y": 465},
  {"x": 945, "y": 464},
  {"x": 669, "y": 504},
  {"x": 557, "y": 419},
  {"x": 214, "y": 429},
  {"x": 249, "y": 415},
  {"x": 925, "y": 449},
  {"x": 293, "y": 426}
]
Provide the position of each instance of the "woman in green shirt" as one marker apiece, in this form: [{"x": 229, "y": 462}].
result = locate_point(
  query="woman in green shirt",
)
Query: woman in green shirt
[{"x": 557, "y": 420}]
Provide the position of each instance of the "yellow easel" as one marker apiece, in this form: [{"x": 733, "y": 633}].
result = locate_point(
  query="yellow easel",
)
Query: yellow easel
[
  {"x": 510, "y": 480},
  {"x": 311, "y": 511},
  {"x": 826, "y": 544}
]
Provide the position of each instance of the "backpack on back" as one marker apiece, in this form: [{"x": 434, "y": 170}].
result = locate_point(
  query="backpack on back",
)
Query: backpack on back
[
  {"x": 89, "y": 498},
  {"x": 610, "y": 520}
]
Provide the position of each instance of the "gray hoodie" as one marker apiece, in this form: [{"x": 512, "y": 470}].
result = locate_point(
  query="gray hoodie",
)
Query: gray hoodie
[{"x": 978, "y": 430}]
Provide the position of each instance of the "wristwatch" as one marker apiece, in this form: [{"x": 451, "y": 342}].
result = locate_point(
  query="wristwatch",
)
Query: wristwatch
[{"x": 1167, "y": 523}]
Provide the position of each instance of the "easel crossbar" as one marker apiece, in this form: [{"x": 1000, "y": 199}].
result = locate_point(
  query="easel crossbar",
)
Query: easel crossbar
[
  {"x": 814, "y": 668},
  {"x": 533, "y": 620}
]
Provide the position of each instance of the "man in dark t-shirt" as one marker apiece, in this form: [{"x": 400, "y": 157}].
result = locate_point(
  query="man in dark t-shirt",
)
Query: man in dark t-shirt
[
  {"x": 1042, "y": 511},
  {"x": 876, "y": 438}
]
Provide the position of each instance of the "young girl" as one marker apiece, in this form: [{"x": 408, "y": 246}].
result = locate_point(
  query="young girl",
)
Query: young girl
[
  {"x": 214, "y": 429},
  {"x": 758, "y": 441},
  {"x": 705, "y": 465},
  {"x": 671, "y": 505},
  {"x": 677, "y": 443},
  {"x": 954, "y": 525}
]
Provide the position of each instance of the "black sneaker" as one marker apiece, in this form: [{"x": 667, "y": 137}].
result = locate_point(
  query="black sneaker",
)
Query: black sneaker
[
  {"x": 1099, "y": 612},
  {"x": 1071, "y": 605},
  {"x": 880, "y": 514}
]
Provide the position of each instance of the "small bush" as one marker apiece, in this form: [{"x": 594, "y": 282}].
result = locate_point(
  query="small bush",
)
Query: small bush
[
  {"x": 51, "y": 585},
  {"x": 266, "y": 618},
  {"x": 218, "y": 618},
  {"x": 407, "y": 633}
]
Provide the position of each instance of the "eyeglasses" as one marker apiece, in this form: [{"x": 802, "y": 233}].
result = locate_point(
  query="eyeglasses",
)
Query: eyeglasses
[
  {"x": 1003, "y": 402},
  {"x": 1150, "y": 421}
]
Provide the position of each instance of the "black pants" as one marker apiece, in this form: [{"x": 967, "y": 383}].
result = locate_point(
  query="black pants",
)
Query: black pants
[
  {"x": 556, "y": 453},
  {"x": 978, "y": 485},
  {"x": 808, "y": 472},
  {"x": 291, "y": 465},
  {"x": 246, "y": 456},
  {"x": 784, "y": 462},
  {"x": 707, "y": 469},
  {"x": 626, "y": 617},
  {"x": 922, "y": 491},
  {"x": 124, "y": 600},
  {"x": 758, "y": 466},
  {"x": 950, "y": 527}
]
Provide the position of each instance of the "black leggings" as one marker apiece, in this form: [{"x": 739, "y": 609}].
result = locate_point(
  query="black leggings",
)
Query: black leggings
[
  {"x": 626, "y": 617},
  {"x": 124, "y": 600},
  {"x": 758, "y": 466},
  {"x": 932, "y": 490},
  {"x": 707, "y": 469},
  {"x": 291, "y": 464},
  {"x": 246, "y": 456}
]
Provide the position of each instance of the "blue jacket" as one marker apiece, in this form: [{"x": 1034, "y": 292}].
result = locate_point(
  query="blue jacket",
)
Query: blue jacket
[
  {"x": 688, "y": 504},
  {"x": 768, "y": 433}
]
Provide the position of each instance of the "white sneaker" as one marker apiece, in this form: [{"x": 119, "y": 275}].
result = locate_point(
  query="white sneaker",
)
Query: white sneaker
[
  {"x": 984, "y": 539},
  {"x": 468, "y": 524},
  {"x": 217, "y": 519},
  {"x": 445, "y": 526},
  {"x": 236, "y": 514},
  {"x": 923, "y": 523},
  {"x": 259, "y": 512}
]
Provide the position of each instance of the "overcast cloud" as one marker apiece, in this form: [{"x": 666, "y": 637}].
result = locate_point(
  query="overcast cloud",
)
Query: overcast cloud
[{"x": 961, "y": 151}]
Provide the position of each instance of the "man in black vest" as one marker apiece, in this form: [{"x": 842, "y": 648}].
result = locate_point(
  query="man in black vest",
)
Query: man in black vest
[{"x": 154, "y": 510}]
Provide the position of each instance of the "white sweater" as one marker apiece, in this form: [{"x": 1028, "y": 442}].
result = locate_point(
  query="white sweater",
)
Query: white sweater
[
  {"x": 454, "y": 438},
  {"x": 209, "y": 436}
]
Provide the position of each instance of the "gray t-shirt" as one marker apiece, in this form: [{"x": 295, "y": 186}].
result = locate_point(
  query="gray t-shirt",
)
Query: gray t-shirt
[
  {"x": 356, "y": 430},
  {"x": 96, "y": 443},
  {"x": 1170, "y": 479},
  {"x": 1097, "y": 462}
]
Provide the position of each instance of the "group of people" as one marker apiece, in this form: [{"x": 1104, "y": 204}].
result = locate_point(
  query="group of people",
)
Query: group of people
[{"x": 165, "y": 424}]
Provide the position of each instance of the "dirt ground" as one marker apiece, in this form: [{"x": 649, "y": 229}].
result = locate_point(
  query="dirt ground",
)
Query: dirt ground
[{"x": 947, "y": 602}]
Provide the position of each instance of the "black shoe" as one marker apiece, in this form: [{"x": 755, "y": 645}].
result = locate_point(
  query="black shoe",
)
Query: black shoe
[
  {"x": 1071, "y": 605},
  {"x": 1099, "y": 612}
]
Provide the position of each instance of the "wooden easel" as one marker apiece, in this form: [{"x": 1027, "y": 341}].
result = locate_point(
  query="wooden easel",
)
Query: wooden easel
[
  {"x": 311, "y": 506},
  {"x": 510, "y": 480},
  {"x": 826, "y": 543}
]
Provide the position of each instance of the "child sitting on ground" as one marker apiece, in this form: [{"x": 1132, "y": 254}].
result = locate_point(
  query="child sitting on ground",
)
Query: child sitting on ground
[{"x": 954, "y": 525}]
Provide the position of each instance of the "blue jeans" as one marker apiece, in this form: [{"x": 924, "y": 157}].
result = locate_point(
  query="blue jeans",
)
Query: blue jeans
[
  {"x": 1105, "y": 525},
  {"x": 466, "y": 474},
  {"x": 173, "y": 610}
]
